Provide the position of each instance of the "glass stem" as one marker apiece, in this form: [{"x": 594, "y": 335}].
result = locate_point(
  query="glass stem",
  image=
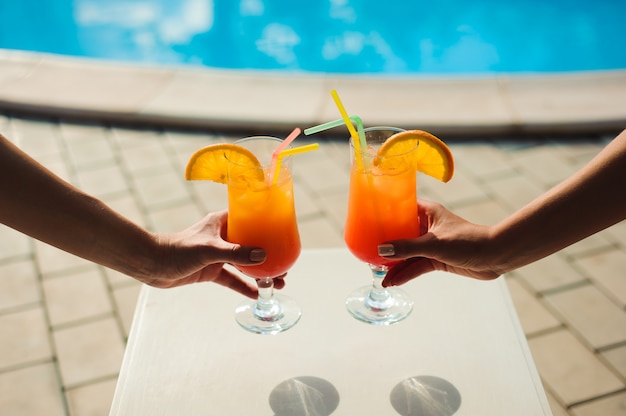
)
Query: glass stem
[
  {"x": 267, "y": 307},
  {"x": 378, "y": 298}
]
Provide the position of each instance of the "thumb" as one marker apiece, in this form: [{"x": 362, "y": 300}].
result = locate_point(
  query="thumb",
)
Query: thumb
[
  {"x": 238, "y": 254},
  {"x": 407, "y": 248}
]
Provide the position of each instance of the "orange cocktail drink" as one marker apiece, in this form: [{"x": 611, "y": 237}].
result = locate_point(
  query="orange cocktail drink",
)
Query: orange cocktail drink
[
  {"x": 261, "y": 213},
  {"x": 382, "y": 206},
  {"x": 265, "y": 216}
]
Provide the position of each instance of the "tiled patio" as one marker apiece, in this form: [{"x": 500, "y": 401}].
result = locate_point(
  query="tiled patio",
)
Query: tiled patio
[{"x": 64, "y": 321}]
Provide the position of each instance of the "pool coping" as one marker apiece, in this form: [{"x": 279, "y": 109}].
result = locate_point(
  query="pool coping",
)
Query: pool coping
[{"x": 194, "y": 97}]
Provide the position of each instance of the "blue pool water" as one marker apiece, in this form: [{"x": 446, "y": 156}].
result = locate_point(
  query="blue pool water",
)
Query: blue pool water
[{"x": 336, "y": 36}]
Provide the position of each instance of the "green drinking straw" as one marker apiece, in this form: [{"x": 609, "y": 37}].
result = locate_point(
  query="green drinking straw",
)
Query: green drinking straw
[
  {"x": 358, "y": 135},
  {"x": 339, "y": 122},
  {"x": 325, "y": 126},
  {"x": 360, "y": 131}
]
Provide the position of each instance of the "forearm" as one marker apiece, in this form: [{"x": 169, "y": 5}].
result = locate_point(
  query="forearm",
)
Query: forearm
[
  {"x": 589, "y": 201},
  {"x": 43, "y": 206}
]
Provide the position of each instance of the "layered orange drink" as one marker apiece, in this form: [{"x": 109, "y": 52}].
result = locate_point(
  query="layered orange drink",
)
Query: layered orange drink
[
  {"x": 381, "y": 207},
  {"x": 263, "y": 215},
  {"x": 382, "y": 203},
  {"x": 261, "y": 210}
]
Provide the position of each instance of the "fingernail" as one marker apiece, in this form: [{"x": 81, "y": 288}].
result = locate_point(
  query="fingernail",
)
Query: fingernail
[
  {"x": 386, "y": 250},
  {"x": 257, "y": 255}
]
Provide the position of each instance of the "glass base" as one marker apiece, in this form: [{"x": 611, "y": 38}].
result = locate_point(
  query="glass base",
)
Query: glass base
[
  {"x": 282, "y": 314},
  {"x": 365, "y": 306}
]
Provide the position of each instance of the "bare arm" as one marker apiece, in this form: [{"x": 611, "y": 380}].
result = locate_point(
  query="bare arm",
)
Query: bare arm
[
  {"x": 591, "y": 200},
  {"x": 36, "y": 202},
  {"x": 40, "y": 204}
]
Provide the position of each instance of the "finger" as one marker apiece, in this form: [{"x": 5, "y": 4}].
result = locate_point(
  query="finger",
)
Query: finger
[
  {"x": 408, "y": 270},
  {"x": 279, "y": 282},
  {"x": 228, "y": 252},
  {"x": 236, "y": 283},
  {"x": 426, "y": 206},
  {"x": 237, "y": 254},
  {"x": 404, "y": 249},
  {"x": 420, "y": 246}
]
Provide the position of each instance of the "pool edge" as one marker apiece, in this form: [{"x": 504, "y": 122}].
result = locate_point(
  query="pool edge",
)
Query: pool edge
[{"x": 191, "y": 97}]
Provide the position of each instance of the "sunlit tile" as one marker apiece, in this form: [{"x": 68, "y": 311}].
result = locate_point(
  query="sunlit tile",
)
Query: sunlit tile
[
  {"x": 18, "y": 284},
  {"x": 89, "y": 351},
  {"x": 24, "y": 336},
  {"x": 77, "y": 296},
  {"x": 91, "y": 399},
  {"x": 571, "y": 371},
  {"x": 31, "y": 391}
]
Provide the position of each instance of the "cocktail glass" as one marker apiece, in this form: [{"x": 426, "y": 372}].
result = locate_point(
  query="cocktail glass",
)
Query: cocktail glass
[
  {"x": 262, "y": 214},
  {"x": 382, "y": 206}
]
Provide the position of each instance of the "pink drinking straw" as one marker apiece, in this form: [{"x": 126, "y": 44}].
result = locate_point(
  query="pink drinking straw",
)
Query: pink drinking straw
[{"x": 292, "y": 136}]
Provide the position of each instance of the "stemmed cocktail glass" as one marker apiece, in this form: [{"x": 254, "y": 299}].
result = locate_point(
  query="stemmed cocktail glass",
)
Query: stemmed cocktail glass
[
  {"x": 382, "y": 206},
  {"x": 262, "y": 214}
]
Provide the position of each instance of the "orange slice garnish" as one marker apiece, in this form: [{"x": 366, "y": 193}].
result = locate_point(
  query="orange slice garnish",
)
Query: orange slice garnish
[
  {"x": 224, "y": 163},
  {"x": 432, "y": 156}
]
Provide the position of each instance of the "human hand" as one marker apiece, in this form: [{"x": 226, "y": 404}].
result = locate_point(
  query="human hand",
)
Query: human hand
[
  {"x": 198, "y": 254},
  {"x": 447, "y": 242}
]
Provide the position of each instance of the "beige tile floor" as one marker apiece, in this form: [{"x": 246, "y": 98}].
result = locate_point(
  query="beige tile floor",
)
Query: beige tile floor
[{"x": 64, "y": 321}]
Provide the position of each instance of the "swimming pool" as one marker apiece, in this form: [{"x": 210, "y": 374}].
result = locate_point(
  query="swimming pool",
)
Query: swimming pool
[{"x": 332, "y": 36}]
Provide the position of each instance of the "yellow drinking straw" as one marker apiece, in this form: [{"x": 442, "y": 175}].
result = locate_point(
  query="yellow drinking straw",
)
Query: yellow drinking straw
[
  {"x": 291, "y": 152},
  {"x": 356, "y": 140},
  {"x": 292, "y": 136}
]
